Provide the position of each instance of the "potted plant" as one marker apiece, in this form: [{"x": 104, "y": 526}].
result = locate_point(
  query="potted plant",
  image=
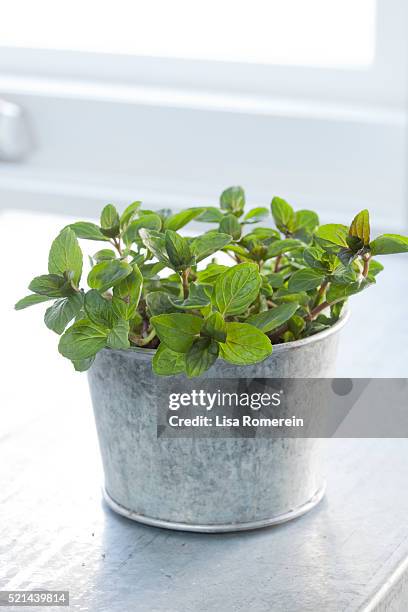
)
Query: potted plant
[{"x": 159, "y": 304}]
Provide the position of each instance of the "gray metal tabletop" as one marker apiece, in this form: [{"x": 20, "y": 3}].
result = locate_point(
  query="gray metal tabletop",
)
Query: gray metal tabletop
[{"x": 349, "y": 553}]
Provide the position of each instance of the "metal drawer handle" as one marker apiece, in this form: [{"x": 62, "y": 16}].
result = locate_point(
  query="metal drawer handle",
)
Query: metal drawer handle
[{"x": 15, "y": 136}]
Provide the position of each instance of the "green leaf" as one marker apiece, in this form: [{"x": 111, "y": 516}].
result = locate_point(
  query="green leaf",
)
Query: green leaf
[
  {"x": 275, "y": 317},
  {"x": 154, "y": 241},
  {"x": 201, "y": 356},
  {"x": 81, "y": 365},
  {"x": 177, "y": 331},
  {"x": 306, "y": 219},
  {"x": 129, "y": 213},
  {"x": 211, "y": 273},
  {"x": 123, "y": 309},
  {"x": 110, "y": 222},
  {"x": 283, "y": 215},
  {"x": 305, "y": 280},
  {"x": 82, "y": 340},
  {"x": 208, "y": 244},
  {"x": 233, "y": 200},
  {"x": 210, "y": 215},
  {"x": 65, "y": 255},
  {"x": 315, "y": 258},
  {"x": 118, "y": 337},
  {"x": 158, "y": 302},
  {"x": 230, "y": 225},
  {"x": 388, "y": 244},
  {"x": 106, "y": 274},
  {"x": 30, "y": 300},
  {"x": 179, "y": 220},
  {"x": 89, "y": 231},
  {"x": 167, "y": 362},
  {"x": 62, "y": 312},
  {"x": 279, "y": 247},
  {"x": 245, "y": 344},
  {"x": 338, "y": 293},
  {"x": 360, "y": 227},
  {"x": 332, "y": 236},
  {"x": 374, "y": 268},
  {"x": 150, "y": 221},
  {"x": 237, "y": 288},
  {"x": 197, "y": 298},
  {"x": 256, "y": 215},
  {"x": 98, "y": 309},
  {"x": 296, "y": 325},
  {"x": 215, "y": 327},
  {"x": 51, "y": 285},
  {"x": 130, "y": 288},
  {"x": 178, "y": 250},
  {"x": 275, "y": 280},
  {"x": 104, "y": 254}
]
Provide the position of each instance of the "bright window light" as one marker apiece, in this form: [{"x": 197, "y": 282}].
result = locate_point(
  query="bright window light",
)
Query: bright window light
[{"x": 297, "y": 32}]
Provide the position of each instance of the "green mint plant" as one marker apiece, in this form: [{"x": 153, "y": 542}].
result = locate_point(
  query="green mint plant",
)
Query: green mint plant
[{"x": 151, "y": 287}]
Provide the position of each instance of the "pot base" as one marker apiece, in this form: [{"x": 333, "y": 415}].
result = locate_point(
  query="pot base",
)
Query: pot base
[{"x": 214, "y": 528}]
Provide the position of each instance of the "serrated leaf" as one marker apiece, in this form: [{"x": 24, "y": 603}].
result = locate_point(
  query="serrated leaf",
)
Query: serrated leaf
[
  {"x": 314, "y": 258},
  {"x": 230, "y": 225},
  {"x": 88, "y": 231},
  {"x": 210, "y": 215},
  {"x": 62, "y": 312},
  {"x": 151, "y": 221},
  {"x": 130, "y": 288},
  {"x": 306, "y": 219},
  {"x": 338, "y": 293},
  {"x": 51, "y": 285},
  {"x": 275, "y": 317},
  {"x": 83, "y": 364},
  {"x": 245, "y": 344},
  {"x": 256, "y": 215},
  {"x": 98, "y": 309},
  {"x": 305, "y": 280},
  {"x": 110, "y": 222},
  {"x": 279, "y": 247},
  {"x": 118, "y": 337},
  {"x": 237, "y": 288},
  {"x": 360, "y": 227},
  {"x": 197, "y": 298},
  {"x": 178, "y": 251},
  {"x": 283, "y": 215},
  {"x": 296, "y": 325},
  {"x": 208, "y": 244},
  {"x": 177, "y": 331},
  {"x": 129, "y": 213},
  {"x": 31, "y": 300},
  {"x": 233, "y": 200},
  {"x": 167, "y": 362},
  {"x": 215, "y": 327},
  {"x": 104, "y": 254},
  {"x": 106, "y": 274},
  {"x": 180, "y": 219},
  {"x": 154, "y": 241},
  {"x": 158, "y": 302},
  {"x": 201, "y": 356},
  {"x": 211, "y": 273},
  {"x": 275, "y": 280},
  {"x": 65, "y": 255},
  {"x": 388, "y": 244},
  {"x": 82, "y": 340},
  {"x": 332, "y": 236}
]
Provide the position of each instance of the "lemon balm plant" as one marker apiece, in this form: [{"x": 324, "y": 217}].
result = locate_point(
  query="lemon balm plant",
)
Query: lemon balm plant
[{"x": 151, "y": 287}]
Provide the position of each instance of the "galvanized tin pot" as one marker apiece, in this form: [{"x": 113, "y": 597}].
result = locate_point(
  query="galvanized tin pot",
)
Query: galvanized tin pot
[{"x": 204, "y": 484}]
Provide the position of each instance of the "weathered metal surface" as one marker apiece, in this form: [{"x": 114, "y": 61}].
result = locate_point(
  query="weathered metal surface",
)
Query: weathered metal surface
[{"x": 204, "y": 484}]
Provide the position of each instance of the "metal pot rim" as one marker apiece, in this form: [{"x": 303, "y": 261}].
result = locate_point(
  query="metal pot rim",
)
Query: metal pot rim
[{"x": 147, "y": 354}]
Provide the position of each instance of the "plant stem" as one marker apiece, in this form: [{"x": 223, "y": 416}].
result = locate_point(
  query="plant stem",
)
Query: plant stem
[
  {"x": 143, "y": 341},
  {"x": 366, "y": 268},
  {"x": 277, "y": 263},
  {"x": 184, "y": 277},
  {"x": 116, "y": 243},
  {"x": 317, "y": 310},
  {"x": 321, "y": 292}
]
